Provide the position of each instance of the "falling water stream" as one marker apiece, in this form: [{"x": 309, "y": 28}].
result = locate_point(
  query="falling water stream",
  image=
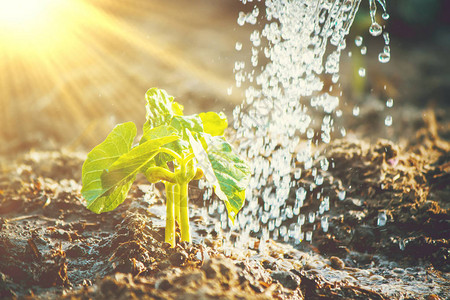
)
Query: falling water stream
[
  {"x": 293, "y": 73},
  {"x": 291, "y": 108}
]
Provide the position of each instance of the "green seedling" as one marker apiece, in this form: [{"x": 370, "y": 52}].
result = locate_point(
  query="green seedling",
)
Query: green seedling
[{"x": 174, "y": 149}]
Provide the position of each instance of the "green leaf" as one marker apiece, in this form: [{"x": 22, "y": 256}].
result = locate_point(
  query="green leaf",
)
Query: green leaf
[
  {"x": 161, "y": 159},
  {"x": 129, "y": 164},
  {"x": 160, "y": 108},
  {"x": 157, "y": 132},
  {"x": 224, "y": 169},
  {"x": 193, "y": 123},
  {"x": 213, "y": 123},
  {"x": 118, "y": 142}
]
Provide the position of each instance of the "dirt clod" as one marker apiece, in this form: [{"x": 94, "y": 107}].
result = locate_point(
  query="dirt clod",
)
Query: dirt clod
[{"x": 286, "y": 279}]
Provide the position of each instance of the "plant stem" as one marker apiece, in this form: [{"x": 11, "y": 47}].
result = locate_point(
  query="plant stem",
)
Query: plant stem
[
  {"x": 176, "y": 194},
  {"x": 184, "y": 213},
  {"x": 189, "y": 157},
  {"x": 173, "y": 153},
  {"x": 170, "y": 218}
]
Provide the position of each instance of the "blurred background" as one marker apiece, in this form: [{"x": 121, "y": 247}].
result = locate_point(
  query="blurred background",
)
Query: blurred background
[{"x": 70, "y": 70}]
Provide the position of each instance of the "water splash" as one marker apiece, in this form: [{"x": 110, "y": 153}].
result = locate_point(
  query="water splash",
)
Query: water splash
[{"x": 294, "y": 78}]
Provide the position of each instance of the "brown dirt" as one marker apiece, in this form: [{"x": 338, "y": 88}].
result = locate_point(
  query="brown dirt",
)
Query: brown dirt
[{"x": 51, "y": 246}]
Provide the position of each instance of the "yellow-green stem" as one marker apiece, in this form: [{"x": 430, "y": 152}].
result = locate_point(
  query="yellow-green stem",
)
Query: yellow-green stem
[
  {"x": 184, "y": 213},
  {"x": 172, "y": 153},
  {"x": 176, "y": 193},
  {"x": 170, "y": 214}
]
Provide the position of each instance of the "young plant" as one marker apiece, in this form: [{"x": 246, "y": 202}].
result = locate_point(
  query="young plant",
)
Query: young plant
[{"x": 174, "y": 149}]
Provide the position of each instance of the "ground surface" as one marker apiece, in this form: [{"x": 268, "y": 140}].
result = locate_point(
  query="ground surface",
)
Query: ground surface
[{"x": 52, "y": 247}]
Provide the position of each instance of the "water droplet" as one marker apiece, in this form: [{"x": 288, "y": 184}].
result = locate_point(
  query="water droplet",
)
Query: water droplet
[
  {"x": 308, "y": 236},
  {"x": 324, "y": 223},
  {"x": 319, "y": 180},
  {"x": 356, "y": 110},
  {"x": 375, "y": 29},
  {"x": 385, "y": 16},
  {"x": 275, "y": 234},
  {"x": 283, "y": 231},
  {"x": 289, "y": 213},
  {"x": 301, "y": 219},
  {"x": 271, "y": 225},
  {"x": 326, "y": 203},
  {"x": 388, "y": 121},
  {"x": 255, "y": 11},
  {"x": 341, "y": 195},
  {"x": 390, "y": 102},
  {"x": 311, "y": 217},
  {"x": 324, "y": 164},
  {"x": 301, "y": 195},
  {"x": 254, "y": 60},
  {"x": 335, "y": 78},
  {"x": 255, "y": 38},
  {"x": 386, "y": 38},
  {"x": 241, "y": 18},
  {"x": 358, "y": 40},
  {"x": 363, "y": 50},
  {"x": 382, "y": 218},
  {"x": 401, "y": 244},
  {"x": 362, "y": 72},
  {"x": 310, "y": 133},
  {"x": 238, "y": 46},
  {"x": 384, "y": 57}
]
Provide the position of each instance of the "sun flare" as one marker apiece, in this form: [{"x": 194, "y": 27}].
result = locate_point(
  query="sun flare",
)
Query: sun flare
[
  {"x": 22, "y": 14},
  {"x": 25, "y": 20},
  {"x": 44, "y": 27}
]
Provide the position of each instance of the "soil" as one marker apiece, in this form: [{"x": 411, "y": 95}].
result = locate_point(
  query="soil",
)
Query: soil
[{"x": 51, "y": 246}]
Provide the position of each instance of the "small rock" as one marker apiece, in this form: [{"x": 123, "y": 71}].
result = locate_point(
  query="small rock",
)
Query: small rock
[
  {"x": 178, "y": 259},
  {"x": 286, "y": 279},
  {"x": 337, "y": 263}
]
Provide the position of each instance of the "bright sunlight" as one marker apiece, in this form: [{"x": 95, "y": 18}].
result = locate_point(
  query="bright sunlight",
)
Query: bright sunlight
[
  {"x": 22, "y": 14},
  {"x": 43, "y": 27},
  {"x": 25, "y": 21}
]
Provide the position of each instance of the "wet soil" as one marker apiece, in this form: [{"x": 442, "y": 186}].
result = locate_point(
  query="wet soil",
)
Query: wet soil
[{"x": 386, "y": 239}]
